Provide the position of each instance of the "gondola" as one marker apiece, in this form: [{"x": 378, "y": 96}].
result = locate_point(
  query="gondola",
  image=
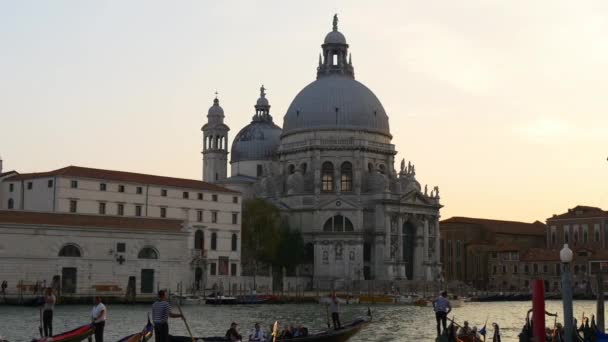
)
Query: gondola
[
  {"x": 76, "y": 335},
  {"x": 141, "y": 336},
  {"x": 330, "y": 335}
]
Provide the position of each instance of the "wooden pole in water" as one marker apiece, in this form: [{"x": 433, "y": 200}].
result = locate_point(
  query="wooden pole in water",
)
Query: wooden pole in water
[
  {"x": 538, "y": 309},
  {"x": 600, "y": 301}
]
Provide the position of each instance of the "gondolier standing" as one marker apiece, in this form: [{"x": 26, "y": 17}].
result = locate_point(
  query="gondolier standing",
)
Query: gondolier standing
[
  {"x": 442, "y": 308},
  {"x": 334, "y": 308},
  {"x": 161, "y": 311},
  {"x": 47, "y": 312},
  {"x": 98, "y": 317}
]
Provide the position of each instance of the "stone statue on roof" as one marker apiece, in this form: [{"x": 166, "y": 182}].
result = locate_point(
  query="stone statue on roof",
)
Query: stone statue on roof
[{"x": 336, "y": 22}]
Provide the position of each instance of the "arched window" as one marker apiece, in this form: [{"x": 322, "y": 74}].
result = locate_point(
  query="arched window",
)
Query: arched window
[
  {"x": 370, "y": 167},
  {"x": 11, "y": 203},
  {"x": 199, "y": 240},
  {"x": 234, "y": 242},
  {"x": 327, "y": 176},
  {"x": 381, "y": 168},
  {"x": 147, "y": 253},
  {"x": 303, "y": 167},
  {"x": 346, "y": 177},
  {"x": 338, "y": 223},
  {"x": 213, "y": 241},
  {"x": 291, "y": 169},
  {"x": 70, "y": 250}
]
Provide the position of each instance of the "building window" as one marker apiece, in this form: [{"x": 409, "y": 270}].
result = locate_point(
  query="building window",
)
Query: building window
[
  {"x": 327, "y": 177},
  {"x": 200, "y": 196},
  {"x": 259, "y": 170},
  {"x": 121, "y": 247},
  {"x": 235, "y": 199},
  {"x": 545, "y": 268},
  {"x": 585, "y": 233},
  {"x": 214, "y": 217},
  {"x": 596, "y": 232},
  {"x": 235, "y": 218},
  {"x": 214, "y": 198},
  {"x": 553, "y": 234},
  {"x": 212, "y": 269},
  {"x": 199, "y": 239},
  {"x": 70, "y": 250},
  {"x": 139, "y": 190},
  {"x": 504, "y": 269},
  {"x": 458, "y": 244},
  {"x": 147, "y": 253},
  {"x": 121, "y": 188},
  {"x": 30, "y": 185},
  {"x": 163, "y": 192},
  {"x": 73, "y": 206},
  {"x": 49, "y": 183},
  {"x": 102, "y": 187},
  {"x": 11, "y": 187},
  {"x": 120, "y": 209},
  {"x": 566, "y": 234},
  {"x": 74, "y": 184},
  {"x": 515, "y": 269},
  {"x": 102, "y": 208},
  {"x": 163, "y": 212},
  {"x": 186, "y": 194},
  {"x": 233, "y": 270},
  {"x": 526, "y": 268},
  {"x": 213, "y": 241},
  {"x": 346, "y": 177},
  {"x": 222, "y": 266},
  {"x": 338, "y": 223},
  {"x": 235, "y": 241},
  {"x": 11, "y": 203},
  {"x": 535, "y": 268},
  {"x": 138, "y": 210}
]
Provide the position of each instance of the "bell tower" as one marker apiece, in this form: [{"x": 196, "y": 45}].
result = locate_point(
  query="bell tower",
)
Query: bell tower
[
  {"x": 215, "y": 144},
  {"x": 335, "y": 58}
]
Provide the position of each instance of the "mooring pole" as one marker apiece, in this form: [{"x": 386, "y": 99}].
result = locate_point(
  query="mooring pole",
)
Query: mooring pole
[
  {"x": 600, "y": 301},
  {"x": 538, "y": 310}
]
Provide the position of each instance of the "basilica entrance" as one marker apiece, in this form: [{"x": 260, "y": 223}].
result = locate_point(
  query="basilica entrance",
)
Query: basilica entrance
[
  {"x": 68, "y": 280},
  {"x": 409, "y": 231}
]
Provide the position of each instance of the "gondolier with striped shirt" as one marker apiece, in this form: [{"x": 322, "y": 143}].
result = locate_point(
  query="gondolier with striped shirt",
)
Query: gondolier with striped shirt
[
  {"x": 442, "y": 308},
  {"x": 161, "y": 311}
]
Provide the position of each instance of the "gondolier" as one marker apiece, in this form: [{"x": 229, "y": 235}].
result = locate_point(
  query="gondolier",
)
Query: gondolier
[
  {"x": 47, "y": 312},
  {"x": 161, "y": 311},
  {"x": 442, "y": 308},
  {"x": 98, "y": 317}
]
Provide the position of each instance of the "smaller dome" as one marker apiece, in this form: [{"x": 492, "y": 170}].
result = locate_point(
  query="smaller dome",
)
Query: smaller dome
[
  {"x": 257, "y": 141},
  {"x": 215, "y": 110},
  {"x": 262, "y": 101},
  {"x": 335, "y": 37}
]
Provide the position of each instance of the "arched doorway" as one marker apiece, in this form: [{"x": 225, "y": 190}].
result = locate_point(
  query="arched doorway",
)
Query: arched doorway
[
  {"x": 198, "y": 277},
  {"x": 409, "y": 231}
]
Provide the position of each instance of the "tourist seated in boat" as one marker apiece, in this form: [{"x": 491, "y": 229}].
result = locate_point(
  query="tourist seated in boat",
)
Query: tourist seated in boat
[
  {"x": 465, "y": 329},
  {"x": 286, "y": 333},
  {"x": 257, "y": 335},
  {"x": 232, "y": 334},
  {"x": 300, "y": 331}
]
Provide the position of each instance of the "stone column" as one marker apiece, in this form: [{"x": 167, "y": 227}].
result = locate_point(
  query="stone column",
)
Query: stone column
[
  {"x": 437, "y": 241},
  {"x": 426, "y": 259},
  {"x": 418, "y": 252},
  {"x": 315, "y": 167},
  {"x": 400, "y": 250}
]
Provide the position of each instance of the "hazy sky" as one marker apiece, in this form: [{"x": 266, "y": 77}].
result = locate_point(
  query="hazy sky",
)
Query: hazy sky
[{"x": 500, "y": 103}]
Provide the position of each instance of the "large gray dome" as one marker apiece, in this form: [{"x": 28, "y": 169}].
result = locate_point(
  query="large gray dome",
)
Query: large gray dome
[
  {"x": 257, "y": 141},
  {"x": 336, "y": 102}
]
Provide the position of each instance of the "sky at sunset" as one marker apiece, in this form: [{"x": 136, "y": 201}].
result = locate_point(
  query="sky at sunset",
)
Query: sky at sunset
[{"x": 502, "y": 104}]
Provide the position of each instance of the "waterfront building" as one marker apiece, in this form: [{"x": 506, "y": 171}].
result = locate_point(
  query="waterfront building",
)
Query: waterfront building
[
  {"x": 330, "y": 170},
  {"x": 84, "y": 255},
  {"x": 211, "y": 213},
  {"x": 583, "y": 228},
  {"x": 471, "y": 246}
]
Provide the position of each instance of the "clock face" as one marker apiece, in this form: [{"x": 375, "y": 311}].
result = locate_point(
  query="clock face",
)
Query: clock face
[{"x": 338, "y": 203}]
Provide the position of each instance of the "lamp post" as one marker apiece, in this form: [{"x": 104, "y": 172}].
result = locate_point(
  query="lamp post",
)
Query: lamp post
[{"x": 566, "y": 257}]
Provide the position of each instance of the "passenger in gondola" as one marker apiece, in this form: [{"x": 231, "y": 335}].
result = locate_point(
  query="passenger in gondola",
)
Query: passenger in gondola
[
  {"x": 465, "y": 329},
  {"x": 232, "y": 334},
  {"x": 286, "y": 333},
  {"x": 303, "y": 331},
  {"x": 475, "y": 335},
  {"x": 496, "y": 336},
  {"x": 257, "y": 334}
]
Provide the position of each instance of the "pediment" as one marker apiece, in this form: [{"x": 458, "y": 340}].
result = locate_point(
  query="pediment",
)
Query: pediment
[
  {"x": 337, "y": 204},
  {"x": 415, "y": 197}
]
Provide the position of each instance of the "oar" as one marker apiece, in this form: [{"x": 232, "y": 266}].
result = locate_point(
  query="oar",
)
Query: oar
[
  {"x": 40, "y": 326},
  {"x": 275, "y": 331},
  {"x": 327, "y": 315},
  {"x": 185, "y": 322}
]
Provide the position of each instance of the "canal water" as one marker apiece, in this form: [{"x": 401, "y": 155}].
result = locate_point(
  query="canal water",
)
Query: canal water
[{"x": 391, "y": 322}]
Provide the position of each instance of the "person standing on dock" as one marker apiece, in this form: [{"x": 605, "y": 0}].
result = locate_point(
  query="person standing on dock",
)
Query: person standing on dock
[
  {"x": 442, "y": 308},
  {"x": 98, "y": 317},
  {"x": 47, "y": 312},
  {"x": 161, "y": 311}
]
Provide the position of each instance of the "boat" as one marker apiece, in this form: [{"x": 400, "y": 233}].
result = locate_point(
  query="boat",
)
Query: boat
[
  {"x": 217, "y": 299},
  {"x": 188, "y": 299},
  {"x": 423, "y": 302},
  {"x": 329, "y": 335},
  {"x": 380, "y": 299},
  {"x": 341, "y": 300},
  {"x": 256, "y": 299},
  {"x": 76, "y": 335},
  {"x": 141, "y": 336}
]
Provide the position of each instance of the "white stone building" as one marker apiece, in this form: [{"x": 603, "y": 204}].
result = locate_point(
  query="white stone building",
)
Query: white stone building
[
  {"x": 330, "y": 169},
  {"x": 84, "y": 255},
  {"x": 211, "y": 214}
]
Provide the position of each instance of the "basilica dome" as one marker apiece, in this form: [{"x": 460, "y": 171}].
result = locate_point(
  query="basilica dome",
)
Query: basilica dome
[
  {"x": 258, "y": 140},
  {"x": 336, "y": 102}
]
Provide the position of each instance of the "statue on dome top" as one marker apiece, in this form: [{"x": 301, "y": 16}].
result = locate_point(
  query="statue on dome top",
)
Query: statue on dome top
[
  {"x": 262, "y": 91},
  {"x": 335, "y": 22}
]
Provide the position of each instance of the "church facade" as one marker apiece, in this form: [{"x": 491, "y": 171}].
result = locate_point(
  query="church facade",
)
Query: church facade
[{"x": 330, "y": 169}]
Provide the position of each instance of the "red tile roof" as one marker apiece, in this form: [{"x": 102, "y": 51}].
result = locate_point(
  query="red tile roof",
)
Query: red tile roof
[
  {"x": 580, "y": 211},
  {"x": 121, "y": 176},
  {"x": 89, "y": 221},
  {"x": 499, "y": 226}
]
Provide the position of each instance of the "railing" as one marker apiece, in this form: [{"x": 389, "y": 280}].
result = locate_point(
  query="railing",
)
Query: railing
[{"x": 337, "y": 142}]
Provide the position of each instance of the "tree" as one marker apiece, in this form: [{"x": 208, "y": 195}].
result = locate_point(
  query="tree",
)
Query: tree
[
  {"x": 291, "y": 251},
  {"x": 260, "y": 233}
]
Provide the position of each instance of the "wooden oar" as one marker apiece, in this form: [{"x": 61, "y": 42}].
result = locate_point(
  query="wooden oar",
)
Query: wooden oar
[
  {"x": 185, "y": 322},
  {"x": 327, "y": 315},
  {"x": 40, "y": 326},
  {"x": 275, "y": 331}
]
